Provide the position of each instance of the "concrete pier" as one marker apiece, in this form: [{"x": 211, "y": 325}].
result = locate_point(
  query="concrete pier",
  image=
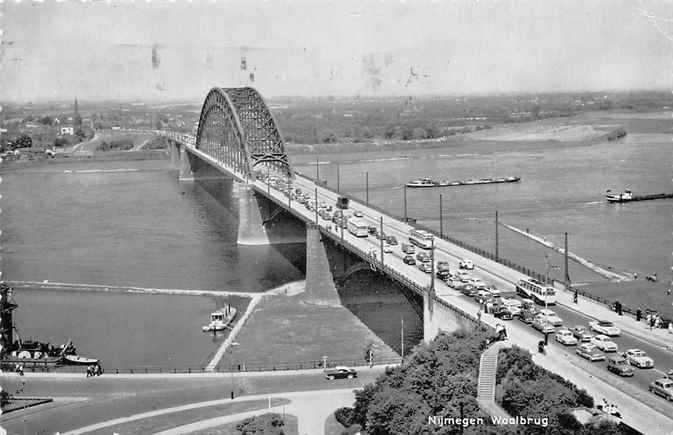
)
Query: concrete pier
[
  {"x": 186, "y": 172},
  {"x": 251, "y": 230},
  {"x": 320, "y": 286}
]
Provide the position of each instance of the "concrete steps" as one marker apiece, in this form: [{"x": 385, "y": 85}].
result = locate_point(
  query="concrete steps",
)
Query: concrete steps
[{"x": 488, "y": 366}]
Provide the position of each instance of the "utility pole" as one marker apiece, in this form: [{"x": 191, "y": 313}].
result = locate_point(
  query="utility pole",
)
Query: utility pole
[
  {"x": 268, "y": 180},
  {"x": 381, "y": 234},
  {"x": 367, "y": 188},
  {"x": 497, "y": 247},
  {"x": 316, "y": 206},
  {"x": 432, "y": 268},
  {"x": 406, "y": 219},
  {"x": 317, "y": 171},
  {"x": 402, "y": 338},
  {"x": 441, "y": 218},
  {"x": 565, "y": 258},
  {"x": 338, "y": 180}
]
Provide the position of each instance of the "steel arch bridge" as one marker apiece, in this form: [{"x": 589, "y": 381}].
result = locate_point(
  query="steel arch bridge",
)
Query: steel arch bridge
[{"x": 237, "y": 129}]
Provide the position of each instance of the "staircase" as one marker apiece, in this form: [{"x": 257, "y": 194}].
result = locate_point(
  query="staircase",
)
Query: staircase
[{"x": 488, "y": 365}]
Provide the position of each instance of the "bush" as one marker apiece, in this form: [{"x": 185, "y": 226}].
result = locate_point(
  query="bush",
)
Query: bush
[
  {"x": 345, "y": 416},
  {"x": 267, "y": 424}
]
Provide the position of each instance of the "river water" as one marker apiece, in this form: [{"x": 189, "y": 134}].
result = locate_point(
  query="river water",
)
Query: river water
[{"x": 132, "y": 223}]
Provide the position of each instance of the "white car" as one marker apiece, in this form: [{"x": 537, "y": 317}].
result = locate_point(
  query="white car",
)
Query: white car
[
  {"x": 565, "y": 337},
  {"x": 550, "y": 317},
  {"x": 387, "y": 248},
  {"x": 466, "y": 264},
  {"x": 513, "y": 305},
  {"x": 478, "y": 283},
  {"x": 605, "y": 327},
  {"x": 603, "y": 343},
  {"x": 638, "y": 358},
  {"x": 357, "y": 213}
]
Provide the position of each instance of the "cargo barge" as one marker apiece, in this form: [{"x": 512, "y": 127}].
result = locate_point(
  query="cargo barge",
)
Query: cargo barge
[
  {"x": 427, "y": 182},
  {"x": 628, "y": 196}
]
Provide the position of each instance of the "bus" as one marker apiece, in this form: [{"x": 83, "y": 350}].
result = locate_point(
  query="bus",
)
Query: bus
[
  {"x": 358, "y": 227},
  {"x": 537, "y": 291},
  {"x": 421, "y": 238}
]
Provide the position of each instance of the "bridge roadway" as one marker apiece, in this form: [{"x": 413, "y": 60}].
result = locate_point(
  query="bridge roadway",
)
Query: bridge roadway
[{"x": 640, "y": 407}]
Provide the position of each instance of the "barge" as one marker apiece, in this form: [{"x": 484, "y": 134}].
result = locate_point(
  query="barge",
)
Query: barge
[
  {"x": 628, "y": 196},
  {"x": 427, "y": 182}
]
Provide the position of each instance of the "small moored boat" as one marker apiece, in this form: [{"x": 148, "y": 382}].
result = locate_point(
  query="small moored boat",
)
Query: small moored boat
[
  {"x": 422, "y": 182},
  {"x": 220, "y": 319},
  {"x": 79, "y": 360}
]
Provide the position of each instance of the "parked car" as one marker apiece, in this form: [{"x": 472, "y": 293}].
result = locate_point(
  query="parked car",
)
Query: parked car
[
  {"x": 502, "y": 312},
  {"x": 590, "y": 352},
  {"x": 662, "y": 387},
  {"x": 582, "y": 334},
  {"x": 423, "y": 257},
  {"x": 425, "y": 267},
  {"x": 551, "y": 317},
  {"x": 392, "y": 240},
  {"x": 620, "y": 366},
  {"x": 605, "y": 327},
  {"x": 542, "y": 325},
  {"x": 603, "y": 343},
  {"x": 466, "y": 264},
  {"x": 340, "y": 372},
  {"x": 408, "y": 248},
  {"x": 409, "y": 259},
  {"x": 638, "y": 358},
  {"x": 565, "y": 337}
]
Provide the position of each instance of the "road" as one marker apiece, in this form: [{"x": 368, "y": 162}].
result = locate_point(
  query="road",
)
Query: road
[{"x": 490, "y": 272}]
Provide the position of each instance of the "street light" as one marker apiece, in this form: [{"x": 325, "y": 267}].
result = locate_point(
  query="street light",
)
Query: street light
[{"x": 231, "y": 363}]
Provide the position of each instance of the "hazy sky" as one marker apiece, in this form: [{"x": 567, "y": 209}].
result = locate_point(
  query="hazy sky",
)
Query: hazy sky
[{"x": 179, "y": 50}]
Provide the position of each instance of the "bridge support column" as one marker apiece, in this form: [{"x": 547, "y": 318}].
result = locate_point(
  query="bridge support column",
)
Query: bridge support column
[
  {"x": 320, "y": 286},
  {"x": 439, "y": 316},
  {"x": 251, "y": 229},
  {"x": 173, "y": 153},
  {"x": 186, "y": 173}
]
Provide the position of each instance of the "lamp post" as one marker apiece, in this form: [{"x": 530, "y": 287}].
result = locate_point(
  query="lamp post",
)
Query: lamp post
[
  {"x": 497, "y": 247},
  {"x": 441, "y": 218},
  {"x": 432, "y": 267},
  {"x": 406, "y": 219},
  {"x": 338, "y": 180},
  {"x": 231, "y": 348},
  {"x": 316, "y": 206},
  {"x": 317, "y": 170},
  {"x": 547, "y": 266},
  {"x": 402, "y": 338},
  {"x": 381, "y": 234}
]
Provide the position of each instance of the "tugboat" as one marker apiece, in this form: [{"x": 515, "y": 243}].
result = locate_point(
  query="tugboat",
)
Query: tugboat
[
  {"x": 618, "y": 197},
  {"x": 220, "y": 319},
  {"x": 422, "y": 182},
  {"x": 30, "y": 351}
]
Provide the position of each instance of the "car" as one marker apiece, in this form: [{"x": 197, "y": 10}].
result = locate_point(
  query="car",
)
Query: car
[
  {"x": 409, "y": 259},
  {"x": 551, "y": 317},
  {"x": 542, "y": 325},
  {"x": 425, "y": 267},
  {"x": 482, "y": 295},
  {"x": 638, "y": 358},
  {"x": 662, "y": 387},
  {"x": 387, "y": 248},
  {"x": 513, "y": 305},
  {"x": 340, "y": 372},
  {"x": 528, "y": 303},
  {"x": 357, "y": 213},
  {"x": 502, "y": 312},
  {"x": 443, "y": 269},
  {"x": 603, "y": 343},
  {"x": 372, "y": 231},
  {"x": 590, "y": 352},
  {"x": 565, "y": 337},
  {"x": 468, "y": 290},
  {"x": 392, "y": 240},
  {"x": 620, "y": 366},
  {"x": 605, "y": 327},
  {"x": 466, "y": 264},
  {"x": 478, "y": 283},
  {"x": 423, "y": 257},
  {"x": 582, "y": 334},
  {"x": 527, "y": 315},
  {"x": 408, "y": 249}
]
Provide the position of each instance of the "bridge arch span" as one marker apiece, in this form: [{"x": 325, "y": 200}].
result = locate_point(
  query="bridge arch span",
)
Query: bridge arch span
[{"x": 237, "y": 128}]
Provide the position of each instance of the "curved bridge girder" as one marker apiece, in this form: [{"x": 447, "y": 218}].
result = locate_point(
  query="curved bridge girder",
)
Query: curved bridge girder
[{"x": 237, "y": 128}]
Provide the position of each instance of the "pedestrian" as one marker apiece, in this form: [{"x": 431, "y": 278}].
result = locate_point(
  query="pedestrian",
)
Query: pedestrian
[
  {"x": 668, "y": 292},
  {"x": 575, "y": 297},
  {"x": 670, "y": 327},
  {"x": 479, "y": 316},
  {"x": 651, "y": 322},
  {"x": 639, "y": 315},
  {"x": 635, "y": 275}
]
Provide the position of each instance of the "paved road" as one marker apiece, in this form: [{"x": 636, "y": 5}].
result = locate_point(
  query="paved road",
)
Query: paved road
[{"x": 81, "y": 401}]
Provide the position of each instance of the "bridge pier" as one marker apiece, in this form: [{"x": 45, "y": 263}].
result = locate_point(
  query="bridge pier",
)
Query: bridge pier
[
  {"x": 320, "y": 286},
  {"x": 173, "y": 152},
  {"x": 440, "y": 317},
  {"x": 251, "y": 230}
]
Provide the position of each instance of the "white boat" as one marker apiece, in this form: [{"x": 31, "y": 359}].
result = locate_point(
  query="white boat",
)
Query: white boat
[
  {"x": 421, "y": 182},
  {"x": 619, "y": 197},
  {"x": 220, "y": 319},
  {"x": 76, "y": 359}
]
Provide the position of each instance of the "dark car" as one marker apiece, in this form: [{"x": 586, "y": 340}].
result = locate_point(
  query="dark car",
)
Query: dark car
[
  {"x": 392, "y": 240},
  {"x": 527, "y": 316},
  {"x": 372, "y": 231},
  {"x": 502, "y": 312},
  {"x": 409, "y": 259},
  {"x": 620, "y": 366},
  {"x": 340, "y": 372},
  {"x": 443, "y": 270}
]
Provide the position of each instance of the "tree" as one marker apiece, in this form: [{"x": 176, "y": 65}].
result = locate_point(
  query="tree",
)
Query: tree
[
  {"x": 328, "y": 136},
  {"x": 419, "y": 133},
  {"x": 266, "y": 424}
]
